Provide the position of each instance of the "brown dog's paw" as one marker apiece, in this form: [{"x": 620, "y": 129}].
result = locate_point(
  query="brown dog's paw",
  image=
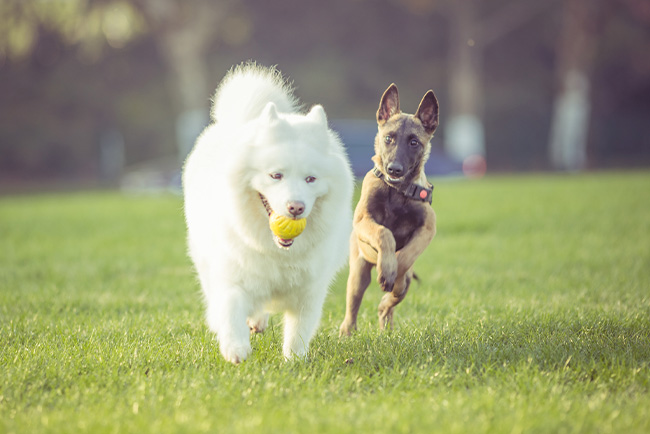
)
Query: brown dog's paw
[
  {"x": 387, "y": 273},
  {"x": 344, "y": 332},
  {"x": 386, "y": 283}
]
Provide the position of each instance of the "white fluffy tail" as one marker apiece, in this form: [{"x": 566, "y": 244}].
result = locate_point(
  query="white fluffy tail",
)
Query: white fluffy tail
[{"x": 247, "y": 89}]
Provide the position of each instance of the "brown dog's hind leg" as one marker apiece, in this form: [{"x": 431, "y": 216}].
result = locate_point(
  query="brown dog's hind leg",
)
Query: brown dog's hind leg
[
  {"x": 358, "y": 281},
  {"x": 392, "y": 299}
]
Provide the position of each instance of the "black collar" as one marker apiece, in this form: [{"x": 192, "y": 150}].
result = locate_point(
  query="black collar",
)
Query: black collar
[{"x": 412, "y": 191}]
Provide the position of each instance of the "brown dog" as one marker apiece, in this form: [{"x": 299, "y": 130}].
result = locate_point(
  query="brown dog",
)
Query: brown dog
[{"x": 393, "y": 221}]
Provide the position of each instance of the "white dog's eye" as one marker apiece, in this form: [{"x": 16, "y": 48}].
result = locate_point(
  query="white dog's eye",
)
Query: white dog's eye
[
  {"x": 276, "y": 176},
  {"x": 388, "y": 139},
  {"x": 310, "y": 179}
]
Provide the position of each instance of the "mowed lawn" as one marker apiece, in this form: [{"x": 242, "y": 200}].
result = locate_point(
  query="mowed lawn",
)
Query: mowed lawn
[{"x": 532, "y": 315}]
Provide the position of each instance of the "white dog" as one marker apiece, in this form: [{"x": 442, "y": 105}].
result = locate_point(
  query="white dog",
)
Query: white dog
[{"x": 261, "y": 154}]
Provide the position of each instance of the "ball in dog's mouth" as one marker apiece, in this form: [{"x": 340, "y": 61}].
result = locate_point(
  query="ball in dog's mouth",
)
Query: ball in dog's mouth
[{"x": 284, "y": 229}]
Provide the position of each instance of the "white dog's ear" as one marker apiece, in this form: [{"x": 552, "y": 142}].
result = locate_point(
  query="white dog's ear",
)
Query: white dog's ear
[
  {"x": 317, "y": 114},
  {"x": 270, "y": 113}
]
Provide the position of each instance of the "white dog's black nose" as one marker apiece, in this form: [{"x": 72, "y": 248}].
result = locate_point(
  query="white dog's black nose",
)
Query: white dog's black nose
[{"x": 295, "y": 208}]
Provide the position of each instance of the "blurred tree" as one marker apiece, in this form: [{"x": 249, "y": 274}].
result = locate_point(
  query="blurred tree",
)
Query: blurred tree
[
  {"x": 184, "y": 30},
  {"x": 58, "y": 126},
  {"x": 85, "y": 23},
  {"x": 72, "y": 72},
  {"x": 473, "y": 27},
  {"x": 472, "y": 35},
  {"x": 578, "y": 45},
  {"x": 571, "y": 110},
  {"x": 464, "y": 136}
]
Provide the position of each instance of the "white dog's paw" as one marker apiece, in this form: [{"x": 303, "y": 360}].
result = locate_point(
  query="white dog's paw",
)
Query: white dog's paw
[
  {"x": 235, "y": 353},
  {"x": 258, "y": 323},
  {"x": 298, "y": 351}
]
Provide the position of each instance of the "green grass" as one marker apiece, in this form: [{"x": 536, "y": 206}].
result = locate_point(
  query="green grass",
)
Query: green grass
[{"x": 532, "y": 315}]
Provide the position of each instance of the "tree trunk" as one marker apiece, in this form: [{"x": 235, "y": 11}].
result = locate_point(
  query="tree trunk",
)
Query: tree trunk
[
  {"x": 464, "y": 133},
  {"x": 184, "y": 52},
  {"x": 572, "y": 106},
  {"x": 184, "y": 30}
]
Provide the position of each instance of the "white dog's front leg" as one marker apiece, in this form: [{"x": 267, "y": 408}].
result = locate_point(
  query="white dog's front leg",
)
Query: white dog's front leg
[
  {"x": 226, "y": 316},
  {"x": 300, "y": 326}
]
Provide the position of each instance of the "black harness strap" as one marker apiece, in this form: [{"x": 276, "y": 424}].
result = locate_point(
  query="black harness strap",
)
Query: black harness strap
[{"x": 412, "y": 191}]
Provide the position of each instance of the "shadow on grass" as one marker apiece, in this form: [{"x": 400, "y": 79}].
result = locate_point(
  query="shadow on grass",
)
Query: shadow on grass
[{"x": 583, "y": 348}]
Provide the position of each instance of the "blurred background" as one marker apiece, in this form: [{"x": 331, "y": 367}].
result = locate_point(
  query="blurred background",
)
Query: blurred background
[{"x": 114, "y": 92}]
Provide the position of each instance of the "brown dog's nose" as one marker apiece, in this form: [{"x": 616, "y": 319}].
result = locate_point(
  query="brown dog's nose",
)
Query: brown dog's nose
[
  {"x": 395, "y": 169},
  {"x": 295, "y": 208}
]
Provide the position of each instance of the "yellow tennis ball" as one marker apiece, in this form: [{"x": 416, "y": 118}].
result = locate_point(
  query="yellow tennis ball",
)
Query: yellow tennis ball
[{"x": 285, "y": 227}]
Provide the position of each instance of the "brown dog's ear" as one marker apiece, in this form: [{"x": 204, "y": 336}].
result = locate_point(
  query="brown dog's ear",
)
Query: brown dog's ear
[
  {"x": 389, "y": 104},
  {"x": 428, "y": 112}
]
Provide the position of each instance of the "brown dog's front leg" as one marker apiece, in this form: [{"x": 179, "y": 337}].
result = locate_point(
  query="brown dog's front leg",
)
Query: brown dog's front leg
[
  {"x": 420, "y": 240},
  {"x": 405, "y": 259},
  {"x": 386, "y": 259},
  {"x": 378, "y": 246}
]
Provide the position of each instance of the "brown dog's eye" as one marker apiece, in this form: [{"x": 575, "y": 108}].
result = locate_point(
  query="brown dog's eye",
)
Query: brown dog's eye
[
  {"x": 388, "y": 139},
  {"x": 276, "y": 176},
  {"x": 414, "y": 143}
]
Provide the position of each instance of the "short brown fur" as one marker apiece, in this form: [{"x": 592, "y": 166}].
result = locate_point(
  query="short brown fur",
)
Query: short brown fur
[{"x": 391, "y": 230}]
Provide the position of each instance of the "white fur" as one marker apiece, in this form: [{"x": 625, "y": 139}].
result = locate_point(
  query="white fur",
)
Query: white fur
[{"x": 258, "y": 131}]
